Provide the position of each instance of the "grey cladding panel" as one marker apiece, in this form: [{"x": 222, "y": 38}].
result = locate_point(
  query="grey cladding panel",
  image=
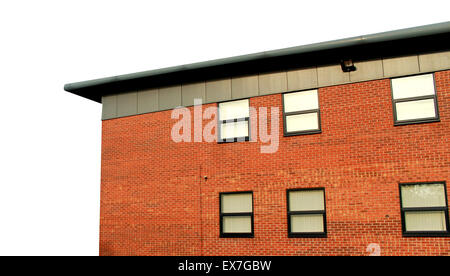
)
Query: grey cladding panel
[
  {"x": 367, "y": 70},
  {"x": 244, "y": 87},
  {"x": 434, "y": 62},
  {"x": 109, "y": 107},
  {"x": 126, "y": 104},
  {"x": 302, "y": 79},
  {"x": 148, "y": 101},
  {"x": 193, "y": 91},
  {"x": 401, "y": 66},
  {"x": 169, "y": 97},
  {"x": 332, "y": 75},
  {"x": 272, "y": 83},
  {"x": 218, "y": 91}
]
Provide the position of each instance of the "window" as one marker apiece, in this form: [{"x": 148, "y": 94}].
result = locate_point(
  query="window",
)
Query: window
[
  {"x": 424, "y": 209},
  {"x": 414, "y": 100},
  {"x": 306, "y": 213},
  {"x": 301, "y": 113},
  {"x": 236, "y": 215},
  {"x": 234, "y": 121}
]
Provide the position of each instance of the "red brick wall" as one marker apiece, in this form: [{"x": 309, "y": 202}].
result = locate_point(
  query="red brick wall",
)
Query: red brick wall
[{"x": 154, "y": 200}]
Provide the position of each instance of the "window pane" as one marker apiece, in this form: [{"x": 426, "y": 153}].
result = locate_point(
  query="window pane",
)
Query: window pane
[
  {"x": 302, "y": 122},
  {"x": 237, "y": 224},
  {"x": 237, "y": 203},
  {"x": 233, "y": 110},
  {"x": 426, "y": 195},
  {"x": 415, "y": 110},
  {"x": 306, "y": 223},
  {"x": 425, "y": 221},
  {"x": 299, "y": 101},
  {"x": 413, "y": 86},
  {"x": 233, "y": 130},
  {"x": 306, "y": 200}
]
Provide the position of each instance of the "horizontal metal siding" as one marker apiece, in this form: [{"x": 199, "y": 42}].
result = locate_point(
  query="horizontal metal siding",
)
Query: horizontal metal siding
[{"x": 264, "y": 84}]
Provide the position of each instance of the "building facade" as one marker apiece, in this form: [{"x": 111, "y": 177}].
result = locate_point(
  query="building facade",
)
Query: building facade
[{"x": 353, "y": 157}]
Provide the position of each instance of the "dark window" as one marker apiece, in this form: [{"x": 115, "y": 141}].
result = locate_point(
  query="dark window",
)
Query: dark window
[
  {"x": 301, "y": 114},
  {"x": 424, "y": 209},
  {"x": 306, "y": 213},
  {"x": 236, "y": 215},
  {"x": 414, "y": 100},
  {"x": 234, "y": 121}
]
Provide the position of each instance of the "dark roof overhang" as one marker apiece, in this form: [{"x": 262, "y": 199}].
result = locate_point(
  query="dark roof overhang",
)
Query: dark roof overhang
[{"x": 423, "y": 39}]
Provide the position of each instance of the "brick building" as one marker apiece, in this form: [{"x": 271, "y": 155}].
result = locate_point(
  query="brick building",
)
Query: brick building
[{"x": 360, "y": 161}]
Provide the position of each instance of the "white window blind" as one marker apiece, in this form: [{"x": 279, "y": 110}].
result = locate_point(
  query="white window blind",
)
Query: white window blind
[
  {"x": 234, "y": 129},
  {"x": 300, "y": 101},
  {"x": 308, "y": 200},
  {"x": 237, "y": 203},
  {"x": 414, "y": 86},
  {"x": 233, "y": 110},
  {"x": 415, "y": 110},
  {"x": 237, "y": 224},
  {"x": 302, "y": 122},
  {"x": 425, "y": 221},
  {"x": 423, "y": 195},
  {"x": 306, "y": 223}
]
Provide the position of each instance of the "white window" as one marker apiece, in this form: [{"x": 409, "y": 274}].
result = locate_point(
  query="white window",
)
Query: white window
[
  {"x": 236, "y": 214},
  {"x": 414, "y": 99},
  {"x": 234, "y": 121},
  {"x": 306, "y": 212},
  {"x": 424, "y": 208},
  {"x": 301, "y": 113}
]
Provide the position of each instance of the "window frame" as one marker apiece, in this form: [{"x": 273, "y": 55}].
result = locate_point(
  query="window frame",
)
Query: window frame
[
  {"x": 221, "y": 122},
  {"x": 221, "y": 215},
  {"x": 286, "y": 114},
  {"x": 424, "y": 209},
  {"x": 411, "y": 99},
  {"x": 323, "y": 234}
]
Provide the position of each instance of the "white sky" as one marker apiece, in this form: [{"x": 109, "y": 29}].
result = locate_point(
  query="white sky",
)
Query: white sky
[{"x": 51, "y": 140}]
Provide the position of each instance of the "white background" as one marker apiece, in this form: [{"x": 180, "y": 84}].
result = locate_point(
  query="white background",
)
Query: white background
[{"x": 50, "y": 140}]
